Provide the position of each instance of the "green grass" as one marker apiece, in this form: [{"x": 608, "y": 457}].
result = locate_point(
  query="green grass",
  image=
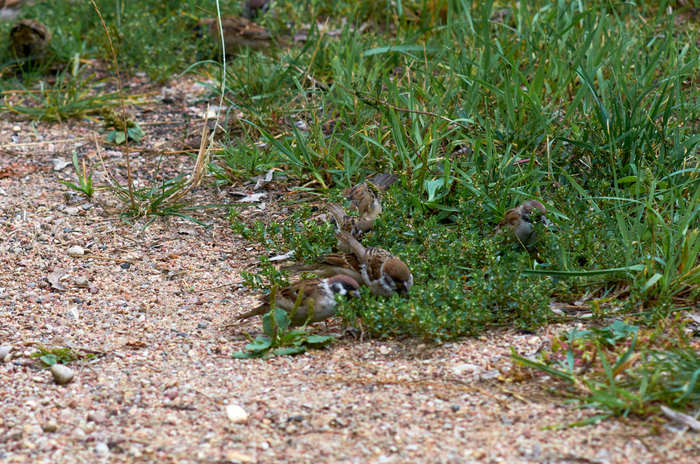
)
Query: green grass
[{"x": 623, "y": 370}]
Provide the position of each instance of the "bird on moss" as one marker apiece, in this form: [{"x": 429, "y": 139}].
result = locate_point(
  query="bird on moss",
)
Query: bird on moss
[
  {"x": 366, "y": 197},
  {"x": 520, "y": 221}
]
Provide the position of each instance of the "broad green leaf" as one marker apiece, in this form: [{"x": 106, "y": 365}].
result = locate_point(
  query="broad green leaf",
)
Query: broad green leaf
[
  {"x": 318, "y": 339},
  {"x": 289, "y": 350}
]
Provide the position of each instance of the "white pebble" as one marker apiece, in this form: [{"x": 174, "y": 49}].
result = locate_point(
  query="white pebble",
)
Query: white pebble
[
  {"x": 62, "y": 374},
  {"x": 101, "y": 448},
  {"x": 236, "y": 414},
  {"x": 76, "y": 251},
  {"x": 5, "y": 353}
]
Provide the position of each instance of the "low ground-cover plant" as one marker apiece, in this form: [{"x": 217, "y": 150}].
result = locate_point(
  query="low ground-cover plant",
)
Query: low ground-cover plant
[
  {"x": 623, "y": 369},
  {"x": 280, "y": 338},
  {"x": 50, "y": 356}
]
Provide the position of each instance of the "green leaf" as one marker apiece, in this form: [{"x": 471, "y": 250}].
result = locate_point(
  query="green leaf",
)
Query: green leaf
[
  {"x": 49, "y": 359},
  {"x": 245, "y": 355},
  {"x": 289, "y": 350},
  {"x": 318, "y": 340},
  {"x": 135, "y": 133},
  {"x": 259, "y": 344},
  {"x": 432, "y": 186},
  {"x": 268, "y": 325},
  {"x": 281, "y": 318}
]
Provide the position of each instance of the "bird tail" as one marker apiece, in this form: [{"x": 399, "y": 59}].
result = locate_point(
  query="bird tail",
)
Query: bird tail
[
  {"x": 262, "y": 309},
  {"x": 357, "y": 248},
  {"x": 383, "y": 180},
  {"x": 338, "y": 213}
]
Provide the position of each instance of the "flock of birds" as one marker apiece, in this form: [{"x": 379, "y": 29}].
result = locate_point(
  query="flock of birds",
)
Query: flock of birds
[{"x": 342, "y": 273}]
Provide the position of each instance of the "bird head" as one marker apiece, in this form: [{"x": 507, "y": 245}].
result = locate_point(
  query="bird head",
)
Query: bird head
[
  {"x": 399, "y": 273},
  {"x": 343, "y": 285}
]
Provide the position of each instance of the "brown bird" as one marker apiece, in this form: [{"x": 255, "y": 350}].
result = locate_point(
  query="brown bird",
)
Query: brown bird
[
  {"x": 29, "y": 40},
  {"x": 317, "y": 299},
  {"x": 520, "y": 221},
  {"x": 356, "y": 226},
  {"x": 332, "y": 264},
  {"x": 384, "y": 273},
  {"x": 239, "y": 33},
  {"x": 366, "y": 196},
  {"x": 252, "y": 8}
]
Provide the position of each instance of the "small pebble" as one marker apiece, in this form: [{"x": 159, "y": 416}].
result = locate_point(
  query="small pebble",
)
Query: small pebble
[
  {"x": 62, "y": 374},
  {"x": 455, "y": 407},
  {"x": 72, "y": 210},
  {"x": 101, "y": 448},
  {"x": 49, "y": 427},
  {"x": 466, "y": 368},
  {"x": 98, "y": 417},
  {"x": 72, "y": 312},
  {"x": 82, "y": 282},
  {"x": 236, "y": 414},
  {"x": 202, "y": 325},
  {"x": 5, "y": 353},
  {"x": 125, "y": 265},
  {"x": 76, "y": 251}
]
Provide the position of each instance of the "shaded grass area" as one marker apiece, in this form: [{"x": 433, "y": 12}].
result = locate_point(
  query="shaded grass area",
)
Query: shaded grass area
[{"x": 591, "y": 107}]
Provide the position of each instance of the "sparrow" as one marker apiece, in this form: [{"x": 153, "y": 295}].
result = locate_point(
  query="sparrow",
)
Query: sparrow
[
  {"x": 29, "y": 39},
  {"x": 366, "y": 197},
  {"x": 252, "y": 8},
  {"x": 332, "y": 264},
  {"x": 238, "y": 33},
  {"x": 520, "y": 221},
  {"x": 384, "y": 273},
  {"x": 355, "y": 226},
  {"x": 317, "y": 296}
]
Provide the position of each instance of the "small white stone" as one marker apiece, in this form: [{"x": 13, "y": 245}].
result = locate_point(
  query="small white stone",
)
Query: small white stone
[
  {"x": 72, "y": 210},
  {"x": 466, "y": 368},
  {"x": 81, "y": 282},
  {"x": 49, "y": 427},
  {"x": 76, "y": 251},
  {"x": 101, "y": 448},
  {"x": 62, "y": 374},
  {"x": 5, "y": 353},
  {"x": 60, "y": 164},
  {"x": 236, "y": 414},
  {"x": 72, "y": 312}
]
